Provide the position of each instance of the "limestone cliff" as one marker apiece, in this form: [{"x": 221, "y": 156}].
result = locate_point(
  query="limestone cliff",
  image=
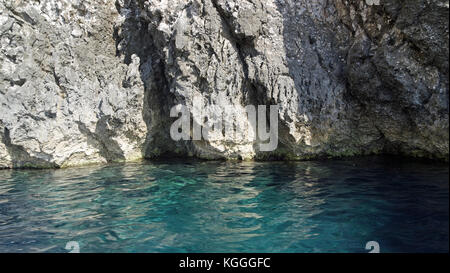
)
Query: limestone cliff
[{"x": 93, "y": 81}]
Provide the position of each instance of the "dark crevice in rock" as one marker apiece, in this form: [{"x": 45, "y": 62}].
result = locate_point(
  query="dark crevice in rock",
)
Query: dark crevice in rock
[{"x": 136, "y": 39}]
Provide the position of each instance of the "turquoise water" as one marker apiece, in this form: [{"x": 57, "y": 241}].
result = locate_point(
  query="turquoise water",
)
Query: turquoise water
[{"x": 333, "y": 206}]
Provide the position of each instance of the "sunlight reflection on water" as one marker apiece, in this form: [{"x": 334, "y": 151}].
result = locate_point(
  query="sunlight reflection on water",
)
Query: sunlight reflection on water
[{"x": 334, "y": 206}]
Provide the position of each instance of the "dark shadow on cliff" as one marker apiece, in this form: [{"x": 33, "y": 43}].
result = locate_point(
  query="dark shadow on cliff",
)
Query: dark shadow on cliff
[
  {"x": 135, "y": 38},
  {"x": 20, "y": 158},
  {"x": 334, "y": 53},
  {"x": 108, "y": 148},
  {"x": 316, "y": 44}
]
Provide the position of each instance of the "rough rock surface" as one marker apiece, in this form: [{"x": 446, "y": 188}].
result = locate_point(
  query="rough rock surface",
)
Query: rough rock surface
[
  {"x": 65, "y": 97},
  {"x": 94, "y": 81}
]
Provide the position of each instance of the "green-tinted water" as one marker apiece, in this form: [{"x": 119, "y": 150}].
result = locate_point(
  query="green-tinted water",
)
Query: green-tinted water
[{"x": 334, "y": 206}]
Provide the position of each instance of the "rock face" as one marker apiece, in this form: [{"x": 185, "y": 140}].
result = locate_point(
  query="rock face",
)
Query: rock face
[
  {"x": 66, "y": 98},
  {"x": 94, "y": 81}
]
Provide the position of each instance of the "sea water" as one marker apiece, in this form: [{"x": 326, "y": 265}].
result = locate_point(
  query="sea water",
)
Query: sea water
[{"x": 196, "y": 206}]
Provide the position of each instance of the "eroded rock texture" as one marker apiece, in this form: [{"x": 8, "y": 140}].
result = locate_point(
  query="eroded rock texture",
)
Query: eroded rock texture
[
  {"x": 94, "y": 81},
  {"x": 65, "y": 96}
]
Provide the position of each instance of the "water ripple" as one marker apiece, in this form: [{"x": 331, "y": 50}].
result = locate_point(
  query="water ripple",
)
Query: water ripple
[{"x": 334, "y": 206}]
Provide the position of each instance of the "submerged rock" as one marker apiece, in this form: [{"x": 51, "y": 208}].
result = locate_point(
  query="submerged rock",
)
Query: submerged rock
[{"x": 94, "y": 81}]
